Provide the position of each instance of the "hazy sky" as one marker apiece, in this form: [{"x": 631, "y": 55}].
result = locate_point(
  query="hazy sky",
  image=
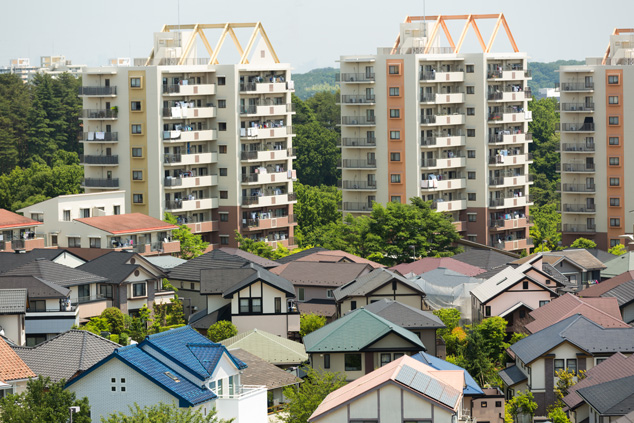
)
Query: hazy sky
[{"x": 307, "y": 33}]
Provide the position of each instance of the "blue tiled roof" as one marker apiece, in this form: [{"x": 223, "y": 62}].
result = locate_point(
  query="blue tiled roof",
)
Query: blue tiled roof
[
  {"x": 209, "y": 355},
  {"x": 472, "y": 387}
]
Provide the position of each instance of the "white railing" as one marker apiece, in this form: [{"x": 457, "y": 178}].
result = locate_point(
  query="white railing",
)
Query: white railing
[{"x": 242, "y": 392}]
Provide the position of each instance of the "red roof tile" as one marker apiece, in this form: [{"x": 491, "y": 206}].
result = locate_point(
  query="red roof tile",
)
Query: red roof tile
[
  {"x": 11, "y": 366},
  {"x": 601, "y": 288},
  {"x": 126, "y": 223},
  {"x": 430, "y": 263},
  {"x": 9, "y": 219}
]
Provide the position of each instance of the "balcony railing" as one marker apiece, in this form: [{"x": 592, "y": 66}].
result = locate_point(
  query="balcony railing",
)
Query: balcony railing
[
  {"x": 357, "y": 164},
  {"x": 576, "y": 127},
  {"x": 576, "y": 107},
  {"x": 357, "y": 142},
  {"x": 571, "y": 227},
  {"x": 356, "y": 99},
  {"x": 97, "y": 90},
  {"x": 576, "y": 86},
  {"x": 576, "y": 187},
  {"x": 358, "y": 120},
  {"x": 578, "y": 208},
  {"x": 356, "y": 206},
  {"x": 577, "y": 146},
  {"x": 91, "y": 298},
  {"x": 355, "y": 77},
  {"x": 574, "y": 167},
  {"x": 99, "y": 136},
  {"x": 173, "y": 182},
  {"x": 428, "y": 163},
  {"x": 99, "y": 113},
  {"x": 292, "y": 196},
  {"x": 426, "y": 120},
  {"x": 100, "y": 182},
  {"x": 101, "y": 160},
  {"x": 172, "y": 158},
  {"x": 371, "y": 185}
]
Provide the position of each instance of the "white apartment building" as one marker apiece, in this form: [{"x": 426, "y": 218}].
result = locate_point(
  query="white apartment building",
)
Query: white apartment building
[
  {"x": 594, "y": 150},
  {"x": 180, "y": 132},
  {"x": 421, "y": 120},
  {"x": 52, "y": 65}
]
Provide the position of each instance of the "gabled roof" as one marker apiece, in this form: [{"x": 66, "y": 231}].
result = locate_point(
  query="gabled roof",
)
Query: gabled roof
[
  {"x": 301, "y": 254},
  {"x": 253, "y": 258},
  {"x": 328, "y": 256},
  {"x": 10, "y": 261},
  {"x": 601, "y": 288},
  {"x": 9, "y": 220},
  {"x": 261, "y": 372},
  {"x": 354, "y": 332},
  {"x": 615, "y": 367},
  {"x": 604, "y": 311},
  {"x": 129, "y": 223},
  {"x": 602, "y": 256},
  {"x": 556, "y": 275},
  {"x": 579, "y": 331},
  {"x": 445, "y": 277},
  {"x": 427, "y": 264},
  {"x": 483, "y": 258},
  {"x": 444, "y": 387},
  {"x": 318, "y": 306},
  {"x": 165, "y": 263},
  {"x": 471, "y": 386},
  {"x": 12, "y": 367},
  {"x": 313, "y": 273},
  {"x": 405, "y": 316},
  {"x": 618, "y": 265},
  {"x": 67, "y": 354},
  {"x": 118, "y": 265},
  {"x": 12, "y": 301},
  {"x": 37, "y": 288},
  {"x": 512, "y": 375},
  {"x": 56, "y": 273},
  {"x": 229, "y": 281},
  {"x": 271, "y": 348},
  {"x": 578, "y": 257},
  {"x": 214, "y": 259},
  {"x": 366, "y": 284},
  {"x": 613, "y": 398}
]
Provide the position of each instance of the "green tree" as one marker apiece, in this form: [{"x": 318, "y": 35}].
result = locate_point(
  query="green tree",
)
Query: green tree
[
  {"x": 325, "y": 109},
  {"x": 97, "y": 325},
  {"x": 546, "y": 221},
  {"x": 115, "y": 320},
  {"x": 309, "y": 323},
  {"x": 493, "y": 331},
  {"x": 305, "y": 399},
  {"x": 192, "y": 245},
  {"x": 163, "y": 413},
  {"x": 557, "y": 415},
  {"x": 450, "y": 317},
  {"x": 583, "y": 243},
  {"x": 15, "y": 102},
  {"x": 618, "y": 250},
  {"x": 316, "y": 208},
  {"x": 522, "y": 403},
  {"x": 221, "y": 330},
  {"x": 566, "y": 379},
  {"x": 545, "y": 149},
  {"x": 176, "y": 314},
  {"x": 43, "y": 401},
  {"x": 474, "y": 358}
]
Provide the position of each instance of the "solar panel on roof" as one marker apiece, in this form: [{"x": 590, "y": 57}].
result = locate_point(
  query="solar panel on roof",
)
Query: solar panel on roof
[
  {"x": 421, "y": 382},
  {"x": 449, "y": 396},
  {"x": 406, "y": 375},
  {"x": 434, "y": 389}
]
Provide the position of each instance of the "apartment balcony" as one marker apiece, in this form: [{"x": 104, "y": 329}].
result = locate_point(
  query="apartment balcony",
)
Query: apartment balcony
[
  {"x": 443, "y": 141},
  {"x": 508, "y": 95},
  {"x": 576, "y": 86},
  {"x": 511, "y": 181},
  {"x": 576, "y": 107},
  {"x": 358, "y": 120},
  {"x": 357, "y": 142},
  {"x": 453, "y": 98},
  {"x": 189, "y": 112},
  {"x": 157, "y": 248},
  {"x": 190, "y": 159},
  {"x": 509, "y": 75},
  {"x": 575, "y": 167},
  {"x": 267, "y": 110},
  {"x": 266, "y": 87},
  {"x": 438, "y": 120},
  {"x": 588, "y": 228},
  {"x": 273, "y": 222},
  {"x": 577, "y": 147},
  {"x": 190, "y": 136},
  {"x": 267, "y": 155},
  {"x": 356, "y": 164},
  {"x": 87, "y": 159},
  {"x": 352, "y": 206},
  {"x": 576, "y": 188},
  {"x": 442, "y": 76},
  {"x": 510, "y": 224},
  {"x": 578, "y": 208},
  {"x": 97, "y": 91},
  {"x": 428, "y": 185},
  {"x": 99, "y": 137},
  {"x": 266, "y": 133},
  {"x": 202, "y": 227},
  {"x": 190, "y": 182},
  {"x": 510, "y": 159},
  {"x": 99, "y": 114},
  {"x": 514, "y": 244},
  {"x": 269, "y": 177},
  {"x": 576, "y": 127},
  {"x": 460, "y": 225},
  {"x": 357, "y": 100},
  {"x": 443, "y": 163},
  {"x": 268, "y": 198},
  {"x": 505, "y": 203},
  {"x": 357, "y": 185},
  {"x": 355, "y": 78},
  {"x": 506, "y": 137},
  {"x": 189, "y": 89},
  {"x": 442, "y": 205},
  {"x": 510, "y": 116},
  {"x": 100, "y": 183},
  {"x": 37, "y": 241},
  {"x": 191, "y": 205}
]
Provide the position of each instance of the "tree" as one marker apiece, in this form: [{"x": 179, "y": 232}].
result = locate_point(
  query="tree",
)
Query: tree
[
  {"x": 304, "y": 400},
  {"x": 583, "y": 243},
  {"x": 566, "y": 379},
  {"x": 474, "y": 358},
  {"x": 221, "y": 330},
  {"x": 115, "y": 320},
  {"x": 317, "y": 207},
  {"x": 192, "y": 245},
  {"x": 546, "y": 226},
  {"x": 43, "y": 401},
  {"x": 522, "y": 403},
  {"x": 325, "y": 109},
  {"x": 309, "y": 323},
  {"x": 163, "y": 413},
  {"x": 493, "y": 331},
  {"x": 545, "y": 150},
  {"x": 450, "y": 317},
  {"x": 618, "y": 250},
  {"x": 176, "y": 315},
  {"x": 557, "y": 415}
]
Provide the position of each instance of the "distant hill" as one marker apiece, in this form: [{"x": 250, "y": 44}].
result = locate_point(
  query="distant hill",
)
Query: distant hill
[
  {"x": 545, "y": 73},
  {"x": 316, "y": 80}
]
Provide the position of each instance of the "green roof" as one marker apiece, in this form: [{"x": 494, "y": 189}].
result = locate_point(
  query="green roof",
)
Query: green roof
[
  {"x": 272, "y": 348},
  {"x": 354, "y": 332},
  {"x": 621, "y": 264}
]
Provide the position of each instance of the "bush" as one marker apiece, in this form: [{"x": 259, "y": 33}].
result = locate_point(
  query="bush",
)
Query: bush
[
  {"x": 114, "y": 338},
  {"x": 221, "y": 330},
  {"x": 115, "y": 319},
  {"x": 309, "y": 323},
  {"x": 124, "y": 339}
]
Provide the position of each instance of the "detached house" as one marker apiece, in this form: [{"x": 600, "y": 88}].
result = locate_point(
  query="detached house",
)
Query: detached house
[
  {"x": 13, "y": 305},
  {"x": 14, "y": 373},
  {"x": 18, "y": 233},
  {"x": 620, "y": 288}
]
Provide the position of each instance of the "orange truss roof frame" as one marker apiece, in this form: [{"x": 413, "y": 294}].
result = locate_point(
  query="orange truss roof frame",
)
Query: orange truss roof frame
[{"x": 616, "y": 31}]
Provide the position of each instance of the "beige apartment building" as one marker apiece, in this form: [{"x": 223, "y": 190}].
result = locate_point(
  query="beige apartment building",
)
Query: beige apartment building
[
  {"x": 594, "y": 151},
  {"x": 421, "y": 120},
  {"x": 183, "y": 133}
]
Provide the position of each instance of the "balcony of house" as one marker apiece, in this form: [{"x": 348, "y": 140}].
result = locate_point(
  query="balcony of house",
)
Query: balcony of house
[
  {"x": 510, "y": 157},
  {"x": 357, "y": 185},
  {"x": 92, "y": 306},
  {"x": 100, "y": 183},
  {"x": 201, "y": 227},
  {"x": 577, "y": 127},
  {"x": 266, "y": 152},
  {"x": 576, "y": 188},
  {"x": 443, "y": 139},
  {"x": 511, "y": 243},
  {"x": 434, "y": 76},
  {"x": 442, "y": 205},
  {"x": 513, "y": 92},
  {"x": 268, "y": 197},
  {"x": 578, "y": 208},
  {"x": 510, "y": 221},
  {"x": 356, "y": 206},
  {"x": 457, "y": 118},
  {"x": 509, "y": 74},
  {"x": 358, "y": 120},
  {"x": 578, "y": 147},
  {"x": 188, "y": 87},
  {"x": 356, "y": 99},
  {"x": 576, "y": 86},
  {"x": 270, "y": 129},
  {"x": 575, "y": 167},
  {"x": 88, "y": 160},
  {"x": 517, "y": 200},
  {"x": 268, "y": 175},
  {"x": 189, "y": 133},
  {"x": 510, "y": 136},
  {"x": 190, "y": 204},
  {"x": 442, "y": 183},
  {"x": 98, "y": 137},
  {"x": 368, "y": 142},
  {"x": 186, "y": 180},
  {"x": 510, "y": 114},
  {"x": 28, "y": 242},
  {"x": 266, "y": 85},
  {"x": 97, "y": 91},
  {"x": 355, "y": 78},
  {"x": 356, "y": 164},
  {"x": 269, "y": 109},
  {"x": 449, "y": 98},
  {"x": 100, "y": 114},
  {"x": 267, "y": 220},
  {"x": 587, "y": 107},
  {"x": 190, "y": 158},
  {"x": 588, "y": 228},
  {"x": 183, "y": 110},
  {"x": 509, "y": 179}
]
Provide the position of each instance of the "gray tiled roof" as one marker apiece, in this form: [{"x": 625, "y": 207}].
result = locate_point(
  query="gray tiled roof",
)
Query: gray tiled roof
[
  {"x": 10, "y": 261},
  {"x": 555, "y": 274},
  {"x": 367, "y": 283},
  {"x": 483, "y": 258},
  {"x": 114, "y": 266},
  {"x": 215, "y": 259},
  {"x": 260, "y": 261},
  {"x": 67, "y": 354},
  {"x": 201, "y": 320},
  {"x": 512, "y": 375},
  {"x": 13, "y": 301},
  {"x": 56, "y": 273},
  {"x": 300, "y": 255},
  {"x": 37, "y": 288},
  {"x": 261, "y": 372},
  {"x": 614, "y": 398},
  {"x": 623, "y": 293},
  {"x": 404, "y": 315},
  {"x": 244, "y": 277}
]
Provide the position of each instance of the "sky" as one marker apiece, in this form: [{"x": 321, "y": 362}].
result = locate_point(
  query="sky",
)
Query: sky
[{"x": 306, "y": 33}]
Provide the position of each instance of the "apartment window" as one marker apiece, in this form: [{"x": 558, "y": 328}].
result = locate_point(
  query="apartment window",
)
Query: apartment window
[
  {"x": 395, "y": 91},
  {"x": 470, "y": 89},
  {"x": 223, "y": 171},
  {"x": 135, "y": 82},
  {"x": 222, "y": 104},
  {"x": 301, "y": 294},
  {"x": 394, "y": 69},
  {"x": 559, "y": 364},
  {"x": 615, "y": 182},
  {"x": 395, "y": 157},
  {"x": 95, "y": 242},
  {"x": 395, "y": 199},
  {"x": 74, "y": 242},
  {"x": 222, "y": 149},
  {"x": 470, "y": 111},
  {"x": 525, "y": 285},
  {"x": 137, "y": 175},
  {"x": 136, "y": 129},
  {"x": 487, "y": 311},
  {"x": 326, "y": 361},
  {"x": 571, "y": 364},
  {"x": 613, "y": 99},
  {"x": 395, "y": 135},
  {"x": 471, "y": 132},
  {"x": 135, "y": 106},
  {"x": 66, "y": 216},
  {"x": 105, "y": 291},
  {"x": 614, "y": 161},
  {"x": 472, "y": 217},
  {"x": 137, "y": 198},
  {"x": 543, "y": 303},
  {"x": 54, "y": 240},
  {"x": 471, "y": 154},
  {"x": 614, "y": 242},
  {"x": 139, "y": 289},
  {"x": 471, "y": 196},
  {"x": 222, "y": 80},
  {"x": 84, "y": 212},
  {"x": 250, "y": 305},
  {"x": 613, "y": 140},
  {"x": 615, "y": 202},
  {"x": 222, "y": 126},
  {"x": 224, "y": 217},
  {"x": 613, "y": 79},
  {"x": 470, "y": 68},
  {"x": 395, "y": 113},
  {"x": 613, "y": 120},
  {"x": 116, "y": 210},
  {"x": 471, "y": 175},
  {"x": 224, "y": 194},
  {"x": 352, "y": 362},
  {"x": 137, "y": 152},
  {"x": 224, "y": 239},
  {"x": 615, "y": 222},
  {"x": 395, "y": 178},
  {"x": 385, "y": 359}
]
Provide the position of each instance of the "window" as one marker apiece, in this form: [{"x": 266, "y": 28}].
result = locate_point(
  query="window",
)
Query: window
[
  {"x": 353, "y": 305},
  {"x": 135, "y": 106},
  {"x": 395, "y": 199},
  {"x": 326, "y": 361},
  {"x": 613, "y": 79},
  {"x": 613, "y": 99},
  {"x": 137, "y": 175},
  {"x": 224, "y": 217},
  {"x": 613, "y": 120},
  {"x": 136, "y": 128},
  {"x": 395, "y": 135},
  {"x": 395, "y": 113},
  {"x": 471, "y": 196},
  {"x": 543, "y": 303},
  {"x": 138, "y": 289},
  {"x": 471, "y": 154},
  {"x": 525, "y": 285},
  {"x": 386, "y": 358},
  {"x": 352, "y": 362},
  {"x": 37, "y": 305},
  {"x": 223, "y": 171},
  {"x": 615, "y": 202},
  {"x": 66, "y": 216},
  {"x": 483, "y": 404},
  {"x": 571, "y": 364},
  {"x": 600, "y": 360},
  {"x": 470, "y": 89},
  {"x": 395, "y": 91},
  {"x": 615, "y": 182},
  {"x": 395, "y": 157},
  {"x": 135, "y": 82},
  {"x": 95, "y": 242},
  {"x": 614, "y": 161},
  {"x": 74, "y": 242},
  {"x": 250, "y": 305},
  {"x": 559, "y": 365},
  {"x": 222, "y": 80},
  {"x": 116, "y": 210},
  {"x": 137, "y": 198},
  {"x": 278, "y": 305},
  {"x": 613, "y": 140},
  {"x": 105, "y": 291},
  {"x": 615, "y": 222},
  {"x": 222, "y": 149},
  {"x": 471, "y": 175},
  {"x": 471, "y": 132},
  {"x": 330, "y": 293},
  {"x": 614, "y": 242},
  {"x": 37, "y": 216},
  {"x": 224, "y": 239},
  {"x": 84, "y": 212},
  {"x": 137, "y": 152},
  {"x": 222, "y": 104},
  {"x": 54, "y": 240},
  {"x": 395, "y": 178},
  {"x": 472, "y": 217},
  {"x": 470, "y": 111},
  {"x": 470, "y": 68},
  {"x": 301, "y": 294},
  {"x": 224, "y": 194},
  {"x": 487, "y": 311},
  {"x": 394, "y": 69},
  {"x": 222, "y": 126}
]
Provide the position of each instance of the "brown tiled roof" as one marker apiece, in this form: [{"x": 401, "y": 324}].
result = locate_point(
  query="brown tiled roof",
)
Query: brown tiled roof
[
  {"x": 321, "y": 274},
  {"x": 9, "y": 219},
  {"x": 430, "y": 263},
  {"x": 11, "y": 366},
  {"x": 601, "y": 288},
  {"x": 261, "y": 261},
  {"x": 338, "y": 256},
  {"x": 126, "y": 223},
  {"x": 326, "y": 309},
  {"x": 260, "y": 372},
  {"x": 88, "y": 254},
  {"x": 603, "y": 311},
  {"x": 576, "y": 255}
]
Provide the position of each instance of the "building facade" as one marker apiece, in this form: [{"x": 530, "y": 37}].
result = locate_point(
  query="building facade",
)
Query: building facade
[
  {"x": 420, "y": 120},
  {"x": 207, "y": 142},
  {"x": 594, "y": 153}
]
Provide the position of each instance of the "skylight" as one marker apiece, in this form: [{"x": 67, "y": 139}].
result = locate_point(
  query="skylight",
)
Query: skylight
[{"x": 171, "y": 376}]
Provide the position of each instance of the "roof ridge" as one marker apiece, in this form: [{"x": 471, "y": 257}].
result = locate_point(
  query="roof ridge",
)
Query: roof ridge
[{"x": 275, "y": 339}]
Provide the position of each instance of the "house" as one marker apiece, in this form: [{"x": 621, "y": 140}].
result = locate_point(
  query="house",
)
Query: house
[
  {"x": 133, "y": 282},
  {"x": 485, "y": 258},
  {"x": 14, "y": 373},
  {"x": 603, "y": 311},
  {"x": 609, "y": 400},
  {"x": 67, "y": 355},
  {"x": 373, "y": 286},
  {"x": 271, "y": 348},
  {"x": 422, "y": 323},
  {"x": 618, "y": 265},
  {"x": 428, "y": 264},
  {"x": 620, "y": 287},
  {"x": 513, "y": 293},
  {"x": 575, "y": 343},
  {"x": 359, "y": 342},
  {"x": 18, "y": 233},
  {"x": 615, "y": 367},
  {"x": 404, "y": 390},
  {"x": 13, "y": 305},
  {"x": 327, "y": 256},
  {"x": 10, "y": 260},
  {"x": 179, "y": 366}
]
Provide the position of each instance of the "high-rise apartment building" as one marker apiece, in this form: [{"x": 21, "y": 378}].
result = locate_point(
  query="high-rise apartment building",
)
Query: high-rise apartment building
[
  {"x": 180, "y": 132},
  {"x": 421, "y": 120},
  {"x": 594, "y": 148}
]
